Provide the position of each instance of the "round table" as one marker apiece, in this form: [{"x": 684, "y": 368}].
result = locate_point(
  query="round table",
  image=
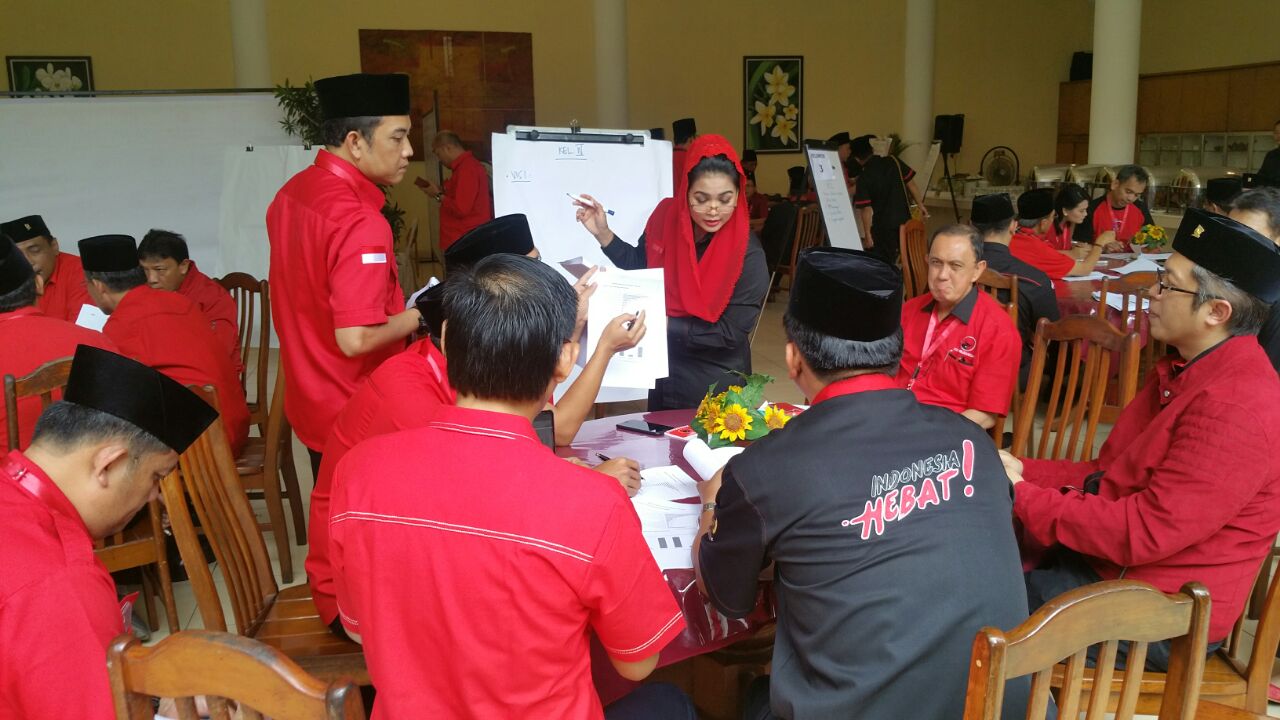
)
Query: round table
[{"x": 706, "y": 629}]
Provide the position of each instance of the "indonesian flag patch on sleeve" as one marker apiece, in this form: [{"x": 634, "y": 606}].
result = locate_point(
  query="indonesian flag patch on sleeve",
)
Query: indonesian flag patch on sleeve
[{"x": 373, "y": 255}]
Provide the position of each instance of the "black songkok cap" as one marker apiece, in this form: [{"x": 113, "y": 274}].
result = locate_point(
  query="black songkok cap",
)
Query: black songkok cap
[
  {"x": 861, "y": 145},
  {"x": 14, "y": 268},
  {"x": 25, "y": 228},
  {"x": 846, "y": 294},
  {"x": 139, "y": 395},
  {"x": 840, "y": 138},
  {"x": 363, "y": 95},
  {"x": 993, "y": 208},
  {"x": 507, "y": 234},
  {"x": 657, "y": 133},
  {"x": 749, "y": 156},
  {"x": 1231, "y": 250},
  {"x": 109, "y": 253},
  {"x": 1221, "y": 191},
  {"x": 684, "y": 129},
  {"x": 1035, "y": 204}
]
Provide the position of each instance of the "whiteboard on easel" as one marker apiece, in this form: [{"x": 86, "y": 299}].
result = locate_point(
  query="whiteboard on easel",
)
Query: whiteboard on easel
[
  {"x": 535, "y": 177},
  {"x": 833, "y": 195}
]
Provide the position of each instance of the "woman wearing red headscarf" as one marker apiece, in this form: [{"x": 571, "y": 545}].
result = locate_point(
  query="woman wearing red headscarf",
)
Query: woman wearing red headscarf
[{"x": 714, "y": 266}]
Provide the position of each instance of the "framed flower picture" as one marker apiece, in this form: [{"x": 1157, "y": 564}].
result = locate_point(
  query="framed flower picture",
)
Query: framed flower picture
[
  {"x": 773, "y": 115},
  {"x": 49, "y": 74}
]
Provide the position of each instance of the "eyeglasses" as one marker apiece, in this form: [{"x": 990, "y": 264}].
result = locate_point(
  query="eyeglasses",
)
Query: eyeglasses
[
  {"x": 707, "y": 205},
  {"x": 1162, "y": 287}
]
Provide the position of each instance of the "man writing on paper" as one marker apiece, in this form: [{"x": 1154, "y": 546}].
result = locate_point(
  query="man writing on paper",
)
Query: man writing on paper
[
  {"x": 62, "y": 290},
  {"x": 1119, "y": 210},
  {"x": 336, "y": 299},
  {"x": 97, "y": 458},
  {"x": 470, "y": 561},
  {"x": 1187, "y": 485},
  {"x": 874, "y": 547}
]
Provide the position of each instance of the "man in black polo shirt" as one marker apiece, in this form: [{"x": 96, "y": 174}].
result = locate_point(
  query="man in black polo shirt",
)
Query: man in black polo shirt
[
  {"x": 887, "y": 521},
  {"x": 882, "y": 198},
  {"x": 994, "y": 218}
]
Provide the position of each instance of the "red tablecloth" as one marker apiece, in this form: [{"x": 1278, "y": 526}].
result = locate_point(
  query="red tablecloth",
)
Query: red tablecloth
[
  {"x": 706, "y": 629},
  {"x": 1076, "y": 298}
]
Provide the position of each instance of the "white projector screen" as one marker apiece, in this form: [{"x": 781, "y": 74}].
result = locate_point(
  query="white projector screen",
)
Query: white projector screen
[{"x": 128, "y": 164}]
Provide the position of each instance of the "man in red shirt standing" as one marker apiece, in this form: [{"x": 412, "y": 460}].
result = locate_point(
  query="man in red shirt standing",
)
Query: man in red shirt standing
[
  {"x": 465, "y": 201},
  {"x": 161, "y": 329},
  {"x": 1119, "y": 210},
  {"x": 1035, "y": 215},
  {"x": 960, "y": 349},
  {"x": 31, "y": 337},
  {"x": 470, "y": 561},
  {"x": 336, "y": 299},
  {"x": 164, "y": 257},
  {"x": 1187, "y": 486},
  {"x": 96, "y": 459},
  {"x": 62, "y": 289}
]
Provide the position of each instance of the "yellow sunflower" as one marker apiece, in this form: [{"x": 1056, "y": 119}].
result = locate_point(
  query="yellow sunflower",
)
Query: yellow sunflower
[
  {"x": 776, "y": 418},
  {"x": 733, "y": 423},
  {"x": 710, "y": 416},
  {"x": 735, "y": 388}
]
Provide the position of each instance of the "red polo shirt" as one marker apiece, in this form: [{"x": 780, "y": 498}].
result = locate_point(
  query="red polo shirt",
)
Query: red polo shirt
[
  {"x": 217, "y": 305},
  {"x": 474, "y": 564},
  {"x": 332, "y": 266},
  {"x": 169, "y": 333},
  {"x": 1033, "y": 250},
  {"x": 65, "y": 291},
  {"x": 58, "y": 608},
  {"x": 1190, "y": 482},
  {"x": 1126, "y": 222},
  {"x": 466, "y": 203},
  {"x": 403, "y": 393},
  {"x": 972, "y": 360},
  {"x": 31, "y": 340}
]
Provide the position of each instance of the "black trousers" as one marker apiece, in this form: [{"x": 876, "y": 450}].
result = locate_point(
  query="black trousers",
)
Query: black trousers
[
  {"x": 1067, "y": 570},
  {"x": 886, "y": 243},
  {"x": 315, "y": 463}
]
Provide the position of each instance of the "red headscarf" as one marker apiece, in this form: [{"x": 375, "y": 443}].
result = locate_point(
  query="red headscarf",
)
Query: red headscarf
[{"x": 698, "y": 288}]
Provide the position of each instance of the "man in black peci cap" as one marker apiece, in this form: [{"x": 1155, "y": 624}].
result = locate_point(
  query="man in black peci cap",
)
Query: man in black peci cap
[
  {"x": 1220, "y": 192},
  {"x": 1187, "y": 485},
  {"x": 885, "y": 191},
  {"x": 842, "y": 140},
  {"x": 874, "y": 545},
  {"x": 97, "y": 458},
  {"x": 60, "y": 290},
  {"x": 335, "y": 292}
]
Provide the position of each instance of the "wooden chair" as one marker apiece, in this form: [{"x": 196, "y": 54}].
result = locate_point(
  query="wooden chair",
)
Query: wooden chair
[
  {"x": 778, "y": 227},
  {"x": 1232, "y": 676},
  {"x": 996, "y": 285},
  {"x": 1107, "y": 612},
  {"x": 39, "y": 383},
  {"x": 913, "y": 248},
  {"x": 262, "y": 472},
  {"x": 1209, "y": 710},
  {"x": 141, "y": 544},
  {"x": 253, "y": 305},
  {"x": 808, "y": 234},
  {"x": 225, "y": 669},
  {"x": 1132, "y": 292},
  {"x": 285, "y": 619},
  {"x": 1076, "y": 402}
]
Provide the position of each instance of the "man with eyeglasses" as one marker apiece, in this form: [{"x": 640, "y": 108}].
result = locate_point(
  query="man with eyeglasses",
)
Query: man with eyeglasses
[
  {"x": 960, "y": 349},
  {"x": 1187, "y": 485}
]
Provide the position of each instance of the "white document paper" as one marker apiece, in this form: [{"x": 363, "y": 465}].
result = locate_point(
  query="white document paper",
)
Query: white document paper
[
  {"x": 705, "y": 461},
  {"x": 1116, "y": 301},
  {"x": 1090, "y": 276},
  {"x": 669, "y": 529},
  {"x": 1142, "y": 264},
  {"x": 667, "y": 482},
  {"x": 626, "y": 292},
  {"x": 91, "y": 317}
]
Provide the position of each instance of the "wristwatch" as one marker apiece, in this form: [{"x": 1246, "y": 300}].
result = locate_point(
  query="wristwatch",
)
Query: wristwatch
[{"x": 708, "y": 506}]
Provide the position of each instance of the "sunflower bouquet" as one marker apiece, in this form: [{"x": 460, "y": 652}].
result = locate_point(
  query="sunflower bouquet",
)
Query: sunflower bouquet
[
  {"x": 738, "y": 413},
  {"x": 1150, "y": 237}
]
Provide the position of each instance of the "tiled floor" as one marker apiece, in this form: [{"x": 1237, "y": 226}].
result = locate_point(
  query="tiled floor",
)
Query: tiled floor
[{"x": 767, "y": 357}]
